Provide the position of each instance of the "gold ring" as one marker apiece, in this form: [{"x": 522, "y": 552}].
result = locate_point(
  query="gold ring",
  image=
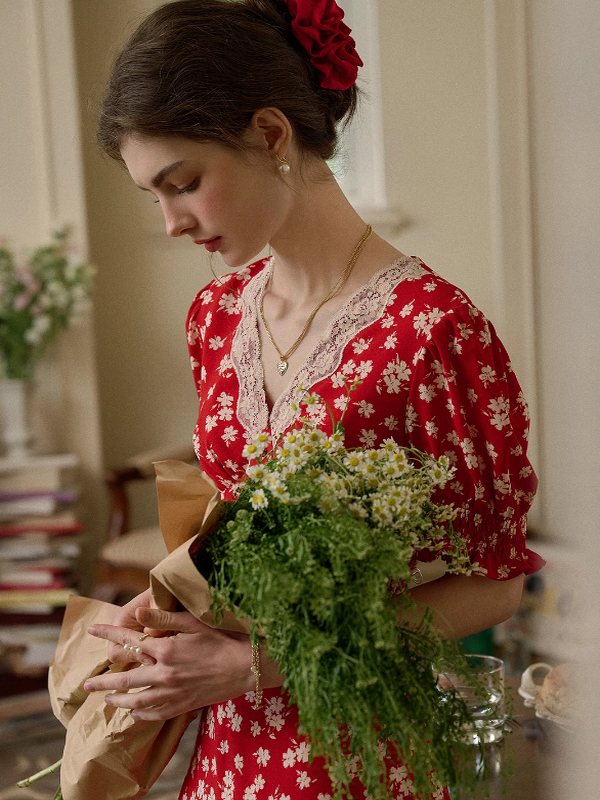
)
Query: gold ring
[{"x": 143, "y": 636}]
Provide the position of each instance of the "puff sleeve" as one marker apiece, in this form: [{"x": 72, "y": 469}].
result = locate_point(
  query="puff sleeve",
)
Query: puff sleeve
[{"x": 465, "y": 403}]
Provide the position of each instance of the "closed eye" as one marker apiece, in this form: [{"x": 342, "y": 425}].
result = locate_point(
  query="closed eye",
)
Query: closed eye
[{"x": 190, "y": 188}]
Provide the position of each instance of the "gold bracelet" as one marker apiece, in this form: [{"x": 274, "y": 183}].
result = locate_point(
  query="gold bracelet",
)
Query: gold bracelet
[{"x": 255, "y": 668}]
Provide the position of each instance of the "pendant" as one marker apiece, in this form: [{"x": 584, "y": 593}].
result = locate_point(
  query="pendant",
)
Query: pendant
[{"x": 282, "y": 367}]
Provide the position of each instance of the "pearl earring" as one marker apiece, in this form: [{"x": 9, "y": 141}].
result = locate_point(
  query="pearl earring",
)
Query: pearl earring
[{"x": 283, "y": 167}]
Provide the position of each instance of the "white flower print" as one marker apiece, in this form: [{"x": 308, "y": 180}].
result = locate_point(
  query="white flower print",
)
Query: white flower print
[
  {"x": 365, "y": 409},
  {"x": 421, "y": 323},
  {"x": 364, "y": 368},
  {"x": 230, "y": 303},
  {"x": 455, "y": 347},
  {"x": 407, "y": 309},
  {"x": 216, "y": 343},
  {"x": 427, "y": 393},
  {"x": 255, "y": 728},
  {"x": 525, "y": 472},
  {"x": 250, "y": 793},
  {"x": 225, "y": 366},
  {"x": 431, "y": 428},
  {"x": 224, "y": 746},
  {"x": 398, "y": 774},
  {"x": 391, "y": 423},
  {"x": 289, "y": 758},
  {"x": 242, "y": 274},
  {"x": 341, "y": 402},
  {"x": 193, "y": 334},
  {"x": 303, "y": 780},
  {"x": 368, "y": 438},
  {"x": 205, "y": 764},
  {"x": 472, "y": 396},
  {"x": 503, "y": 571},
  {"x": 362, "y": 345},
  {"x": 500, "y": 412},
  {"x": 491, "y": 450},
  {"x": 236, "y": 723},
  {"x": 430, "y": 287},
  {"x": 225, "y": 413},
  {"x": 391, "y": 341},
  {"x": 502, "y": 484},
  {"x": 452, "y": 437},
  {"x": 485, "y": 336},
  {"x": 195, "y": 364},
  {"x": 211, "y": 422},
  {"x": 387, "y": 321},
  {"x": 262, "y": 756},
  {"x": 203, "y": 374},
  {"x": 464, "y": 329},
  {"x": 239, "y": 762},
  {"x": 259, "y": 782},
  {"x": 338, "y": 380},
  {"x": 487, "y": 375},
  {"x": 206, "y": 297},
  {"x": 230, "y": 435},
  {"x": 225, "y": 399},
  {"x": 410, "y": 419},
  {"x": 302, "y": 752},
  {"x": 322, "y": 796},
  {"x": 457, "y": 487},
  {"x": 396, "y": 373},
  {"x": 419, "y": 355}
]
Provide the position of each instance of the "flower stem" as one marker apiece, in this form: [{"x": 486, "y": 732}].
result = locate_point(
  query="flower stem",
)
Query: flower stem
[{"x": 39, "y": 775}]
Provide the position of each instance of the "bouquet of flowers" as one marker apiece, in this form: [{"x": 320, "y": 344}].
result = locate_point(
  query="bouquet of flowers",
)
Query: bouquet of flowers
[
  {"x": 315, "y": 552},
  {"x": 37, "y": 300}
]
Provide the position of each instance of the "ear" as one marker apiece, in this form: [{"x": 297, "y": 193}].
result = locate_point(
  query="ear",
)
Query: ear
[{"x": 270, "y": 129}]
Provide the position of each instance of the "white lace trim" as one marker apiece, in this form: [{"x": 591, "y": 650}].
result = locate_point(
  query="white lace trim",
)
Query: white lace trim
[{"x": 361, "y": 310}]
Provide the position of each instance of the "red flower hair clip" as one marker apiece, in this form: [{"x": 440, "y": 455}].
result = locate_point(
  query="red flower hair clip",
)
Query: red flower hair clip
[{"x": 318, "y": 27}]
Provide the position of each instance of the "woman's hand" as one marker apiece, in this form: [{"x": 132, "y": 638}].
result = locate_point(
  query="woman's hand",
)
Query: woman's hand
[{"x": 193, "y": 667}]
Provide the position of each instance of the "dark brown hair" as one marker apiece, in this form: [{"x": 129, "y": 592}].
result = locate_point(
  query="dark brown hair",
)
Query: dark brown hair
[{"x": 200, "y": 69}]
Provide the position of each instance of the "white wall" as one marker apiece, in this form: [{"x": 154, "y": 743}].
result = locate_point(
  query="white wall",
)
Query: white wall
[
  {"x": 565, "y": 117},
  {"x": 41, "y": 188}
]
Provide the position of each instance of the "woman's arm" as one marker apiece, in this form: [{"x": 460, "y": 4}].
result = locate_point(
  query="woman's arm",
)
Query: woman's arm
[{"x": 465, "y": 605}]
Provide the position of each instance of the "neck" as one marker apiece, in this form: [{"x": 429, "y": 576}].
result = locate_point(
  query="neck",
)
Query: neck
[{"x": 312, "y": 248}]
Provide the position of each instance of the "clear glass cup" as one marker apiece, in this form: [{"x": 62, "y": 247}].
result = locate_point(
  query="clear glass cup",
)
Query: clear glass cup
[{"x": 486, "y": 705}]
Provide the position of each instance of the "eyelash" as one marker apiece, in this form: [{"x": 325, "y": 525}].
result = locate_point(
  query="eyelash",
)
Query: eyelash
[{"x": 187, "y": 189}]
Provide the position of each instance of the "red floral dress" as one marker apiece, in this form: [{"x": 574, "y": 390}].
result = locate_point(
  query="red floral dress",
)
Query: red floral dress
[{"x": 434, "y": 376}]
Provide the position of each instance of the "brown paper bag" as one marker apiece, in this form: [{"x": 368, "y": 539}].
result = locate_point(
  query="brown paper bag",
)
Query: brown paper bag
[
  {"x": 188, "y": 504},
  {"x": 108, "y": 754}
]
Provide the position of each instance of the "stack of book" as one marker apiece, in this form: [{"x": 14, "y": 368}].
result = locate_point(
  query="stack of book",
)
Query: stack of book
[{"x": 39, "y": 549}]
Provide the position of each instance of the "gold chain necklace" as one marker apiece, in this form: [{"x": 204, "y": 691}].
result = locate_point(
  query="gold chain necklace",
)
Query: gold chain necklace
[{"x": 283, "y": 357}]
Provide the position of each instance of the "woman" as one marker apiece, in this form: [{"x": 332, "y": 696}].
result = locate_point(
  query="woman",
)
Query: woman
[{"x": 226, "y": 113}]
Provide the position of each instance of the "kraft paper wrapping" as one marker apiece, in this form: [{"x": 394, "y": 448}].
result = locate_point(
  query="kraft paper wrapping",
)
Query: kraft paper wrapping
[
  {"x": 188, "y": 504},
  {"x": 108, "y": 754}
]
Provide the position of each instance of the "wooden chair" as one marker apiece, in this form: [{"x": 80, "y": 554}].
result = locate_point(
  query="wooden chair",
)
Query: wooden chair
[{"x": 128, "y": 556}]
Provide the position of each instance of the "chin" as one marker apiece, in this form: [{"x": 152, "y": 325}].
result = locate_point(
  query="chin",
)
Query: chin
[{"x": 239, "y": 260}]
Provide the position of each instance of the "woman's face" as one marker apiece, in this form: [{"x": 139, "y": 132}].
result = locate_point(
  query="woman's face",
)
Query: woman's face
[{"x": 230, "y": 202}]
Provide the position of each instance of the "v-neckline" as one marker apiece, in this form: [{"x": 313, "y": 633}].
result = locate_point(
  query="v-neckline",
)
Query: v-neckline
[{"x": 359, "y": 311}]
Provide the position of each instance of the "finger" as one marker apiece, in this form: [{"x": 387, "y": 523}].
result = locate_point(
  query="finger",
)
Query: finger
[
  {"x": 169, "y": 621},
  {"x": 166, "y": 710},
  {"x": 128, "y": 654},
  {"x": 130, "y": 644},
  {"x": 137, "y": 678},
  {"x": 134, "y": 701}
]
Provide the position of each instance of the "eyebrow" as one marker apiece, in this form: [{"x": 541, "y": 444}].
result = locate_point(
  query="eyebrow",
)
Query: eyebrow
[{"x": 160, "y": 176}]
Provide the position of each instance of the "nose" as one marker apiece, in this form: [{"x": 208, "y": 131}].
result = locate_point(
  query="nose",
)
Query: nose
[{"x": 178, "y": 222}]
